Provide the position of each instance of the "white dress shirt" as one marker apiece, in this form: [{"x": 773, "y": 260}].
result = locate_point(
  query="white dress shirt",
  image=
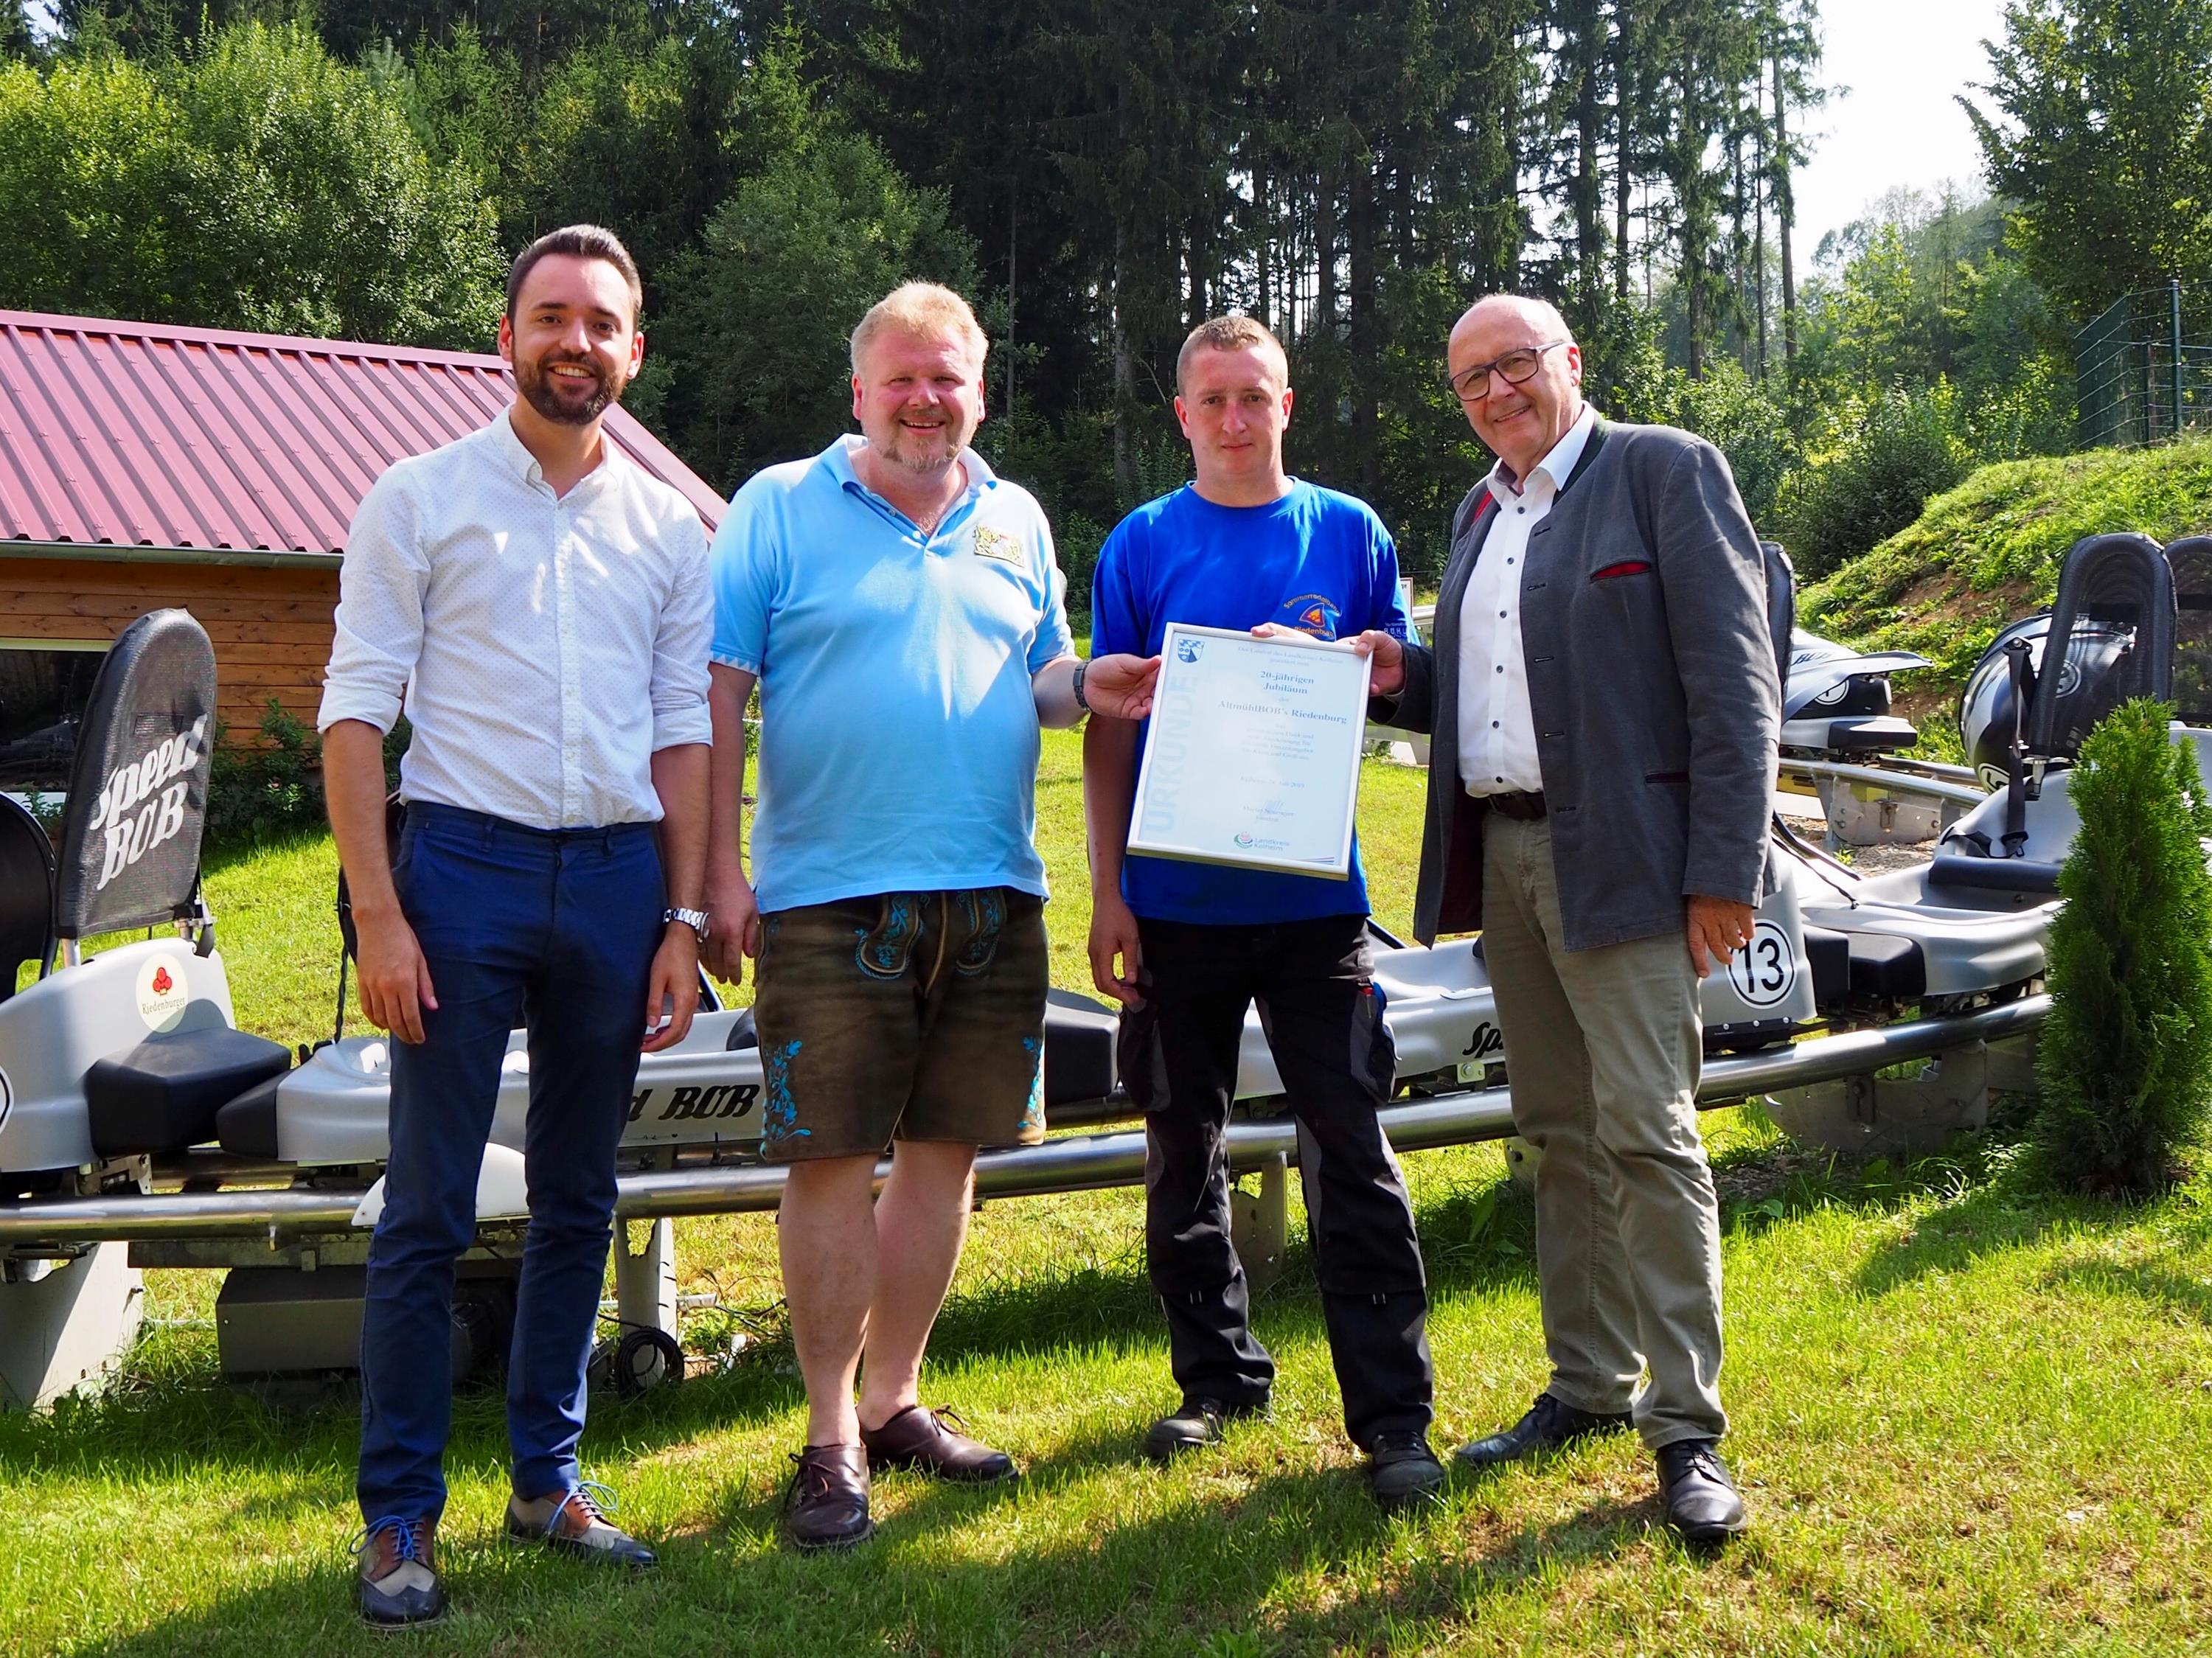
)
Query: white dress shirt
[
  {"x": 1497, "y": 733},
  {"x": 547, "y": 646}
]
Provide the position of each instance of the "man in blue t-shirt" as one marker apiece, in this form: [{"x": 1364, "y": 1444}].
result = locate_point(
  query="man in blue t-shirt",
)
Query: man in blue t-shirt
[{"x": 1185, "y": 948}]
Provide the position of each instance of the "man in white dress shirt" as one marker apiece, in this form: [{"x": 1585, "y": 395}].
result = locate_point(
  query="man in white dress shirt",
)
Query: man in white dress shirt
[{"x": 541, "y": 605}]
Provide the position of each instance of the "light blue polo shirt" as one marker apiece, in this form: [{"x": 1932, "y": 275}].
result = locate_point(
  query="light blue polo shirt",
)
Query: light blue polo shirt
[{"x": 898, "y": 746}]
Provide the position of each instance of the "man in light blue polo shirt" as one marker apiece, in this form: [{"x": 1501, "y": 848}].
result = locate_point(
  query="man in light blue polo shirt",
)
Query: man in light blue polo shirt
[{"x": 901, "y": 610}]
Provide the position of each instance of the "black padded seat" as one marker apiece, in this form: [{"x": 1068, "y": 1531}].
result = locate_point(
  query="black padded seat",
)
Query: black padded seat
[
  {"x": 26, "y": 892},
  {"x": 1829, "y": 954},
  {"x": 1079, "y": 1048},
  {"x": 1955, "y": 868},
  {"x": 1871, "y": 734},
  {"x": 1887, "y": 967},
  {"x": 163, "y": 1095},
  {"x": 246, "y": 1127}
]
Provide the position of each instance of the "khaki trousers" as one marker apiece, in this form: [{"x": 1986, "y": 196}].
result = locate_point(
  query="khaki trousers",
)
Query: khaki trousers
[{"x": 1603, "y": 1048}]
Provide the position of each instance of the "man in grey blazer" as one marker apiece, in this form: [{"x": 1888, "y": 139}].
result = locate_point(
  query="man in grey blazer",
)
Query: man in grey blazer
[{"x": 1603, "y": 700}]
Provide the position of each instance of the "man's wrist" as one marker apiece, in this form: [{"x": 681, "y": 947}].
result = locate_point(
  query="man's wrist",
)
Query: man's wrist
[
  {"x": 688, "y": 920},
  {"x": 376, "y": 911},
  {"x": 1082, "y": 667}
]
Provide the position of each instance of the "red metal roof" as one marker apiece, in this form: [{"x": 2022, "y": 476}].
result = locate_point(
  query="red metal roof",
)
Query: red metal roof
[{"x": 141, "y": 434}]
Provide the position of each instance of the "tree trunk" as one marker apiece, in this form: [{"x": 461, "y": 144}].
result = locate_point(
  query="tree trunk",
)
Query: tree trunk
[
  {"x": 1624, "y": 170},
  {"x": 1125, "y": 368},
  {"x": 1366, "y": 342},
  {"x": 1758, "y": 247},
  {"x": 1785, "y": 213},
  {"x": 1589, "y": 26}
]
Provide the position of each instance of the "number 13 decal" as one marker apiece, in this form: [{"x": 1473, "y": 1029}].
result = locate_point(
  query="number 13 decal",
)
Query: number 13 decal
[{"x": 1764, "y": 971}]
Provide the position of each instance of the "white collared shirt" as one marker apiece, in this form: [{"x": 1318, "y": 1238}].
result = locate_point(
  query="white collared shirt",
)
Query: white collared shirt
[
  {"x": 1496, "y": 732},
  {"x": 547, "y": 646}
]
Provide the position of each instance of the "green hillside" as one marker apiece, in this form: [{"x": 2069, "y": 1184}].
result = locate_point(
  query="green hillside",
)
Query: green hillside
[{"x": 1988, "y": 551}]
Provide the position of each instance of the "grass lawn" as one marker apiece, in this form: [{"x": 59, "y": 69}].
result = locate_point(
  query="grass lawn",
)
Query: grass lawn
[{"x": 1970, "y": 1418}]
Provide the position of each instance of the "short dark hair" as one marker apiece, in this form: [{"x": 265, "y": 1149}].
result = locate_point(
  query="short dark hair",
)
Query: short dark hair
[{"x": 580, "y": 241}]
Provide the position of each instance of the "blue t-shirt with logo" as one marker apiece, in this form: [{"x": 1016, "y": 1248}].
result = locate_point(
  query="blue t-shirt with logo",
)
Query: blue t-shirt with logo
[{"x": 1315, "y": 561}]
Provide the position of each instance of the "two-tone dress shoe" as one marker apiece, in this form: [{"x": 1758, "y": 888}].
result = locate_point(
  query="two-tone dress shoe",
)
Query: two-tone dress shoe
[
  {"x": 930, "y": 1440},
  {"x": 1402, "y": 1471},
  {"x": 1552, "y": 1424},
  {"x": 1700, "y": 1498},
  {"x": 827, "y": 1504},
  {"x": 397, "y": 1585},
  {"x": 575, "y": 1522},
  {"x": 1197, "y": 1421}
]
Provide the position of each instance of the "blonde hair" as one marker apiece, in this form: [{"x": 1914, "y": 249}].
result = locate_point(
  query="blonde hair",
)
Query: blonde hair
[
  {"x": 921, "y": 309},
  {"x": 1228, "y": 334}
]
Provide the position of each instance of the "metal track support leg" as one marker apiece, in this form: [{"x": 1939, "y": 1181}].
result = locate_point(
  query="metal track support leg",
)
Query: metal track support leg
[
  {"x": 644, "y": 1283},
  {"x": 1259, "y": 1221}
]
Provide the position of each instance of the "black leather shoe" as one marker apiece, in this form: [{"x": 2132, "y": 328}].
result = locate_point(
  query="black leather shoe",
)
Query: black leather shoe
[
  {"x": 1196, "y": 1423},
  {"x": 1552, "y": 1424},
  {"x": 1403, "y": 1473},
  {"x": 397, "y": 1586},
  {"x": 1701, "y": 1499},
  {"x": 575, "y": 1522},
  {"x": 827, "y": 1506}
]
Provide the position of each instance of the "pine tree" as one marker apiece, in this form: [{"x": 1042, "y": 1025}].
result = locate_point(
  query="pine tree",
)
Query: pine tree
[{"x": 2126, "y": 1056}]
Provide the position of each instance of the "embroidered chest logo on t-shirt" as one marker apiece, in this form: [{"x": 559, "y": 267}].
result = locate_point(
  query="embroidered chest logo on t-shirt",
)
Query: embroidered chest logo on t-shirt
[
  {"x": 997, "y": 544},
  {"x": 1311, "y": 613}
]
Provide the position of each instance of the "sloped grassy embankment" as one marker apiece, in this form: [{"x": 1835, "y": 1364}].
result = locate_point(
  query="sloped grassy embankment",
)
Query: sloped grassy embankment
[{"x": 1988, "y": 552}]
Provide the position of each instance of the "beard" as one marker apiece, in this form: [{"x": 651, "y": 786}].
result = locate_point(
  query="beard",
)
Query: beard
[
  {"x": 542, "y": 390},
  {"x": 923, "y": 453}
]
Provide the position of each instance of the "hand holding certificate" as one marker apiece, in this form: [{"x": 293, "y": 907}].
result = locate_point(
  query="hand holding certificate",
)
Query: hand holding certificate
[{"x": 1253, "y": 755}]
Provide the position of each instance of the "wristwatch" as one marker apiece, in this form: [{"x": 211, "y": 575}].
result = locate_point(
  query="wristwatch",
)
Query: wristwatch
[
  {"x": 694, "y": 919},
  {"x": 1081, "y": 668}
]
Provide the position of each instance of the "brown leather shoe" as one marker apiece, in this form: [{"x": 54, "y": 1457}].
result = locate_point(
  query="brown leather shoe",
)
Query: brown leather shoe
[
  {"x": 827, "y": 1506},
  {"x": 919, "y": 1438},
  {"x": 397, "y": 1585},
  {"x": 575, "y": 1522}
]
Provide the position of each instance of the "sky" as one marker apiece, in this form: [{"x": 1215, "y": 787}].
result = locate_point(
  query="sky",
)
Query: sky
[{"x": 1904, "y": 62}]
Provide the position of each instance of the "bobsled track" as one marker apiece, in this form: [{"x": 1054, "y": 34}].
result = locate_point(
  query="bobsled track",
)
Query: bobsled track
[
  {"x": 1873, "y": 1012},
  {"x": 1070, "y": 1163}
]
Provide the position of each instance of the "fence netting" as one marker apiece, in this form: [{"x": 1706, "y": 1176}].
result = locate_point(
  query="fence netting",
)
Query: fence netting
[{"x": 2143, "y": 368}]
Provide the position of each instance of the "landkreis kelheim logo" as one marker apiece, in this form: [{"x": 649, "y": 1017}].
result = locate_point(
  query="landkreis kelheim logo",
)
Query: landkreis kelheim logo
[
  {"x": 1244, "y": 839},
  {"x": 1189, "y": 650}
]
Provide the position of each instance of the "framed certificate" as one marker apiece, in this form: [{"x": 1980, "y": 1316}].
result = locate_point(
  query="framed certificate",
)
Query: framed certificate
[{"x": 1253, "y": 754}]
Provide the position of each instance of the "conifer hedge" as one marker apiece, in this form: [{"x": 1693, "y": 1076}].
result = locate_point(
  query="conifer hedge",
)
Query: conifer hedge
[{"x": 2126, "y": 1055}]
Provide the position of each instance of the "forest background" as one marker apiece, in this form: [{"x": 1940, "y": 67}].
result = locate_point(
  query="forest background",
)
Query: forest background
[{"x": 1099, "y": 177}]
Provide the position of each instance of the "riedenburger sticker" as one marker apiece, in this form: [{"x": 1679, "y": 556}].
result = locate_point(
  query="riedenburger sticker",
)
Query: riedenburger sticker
[{"x": 163, "y": 990}]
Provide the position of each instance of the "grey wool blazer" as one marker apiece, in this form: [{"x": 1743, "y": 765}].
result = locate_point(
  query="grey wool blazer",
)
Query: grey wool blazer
[{"x": 1653, "y": 683}]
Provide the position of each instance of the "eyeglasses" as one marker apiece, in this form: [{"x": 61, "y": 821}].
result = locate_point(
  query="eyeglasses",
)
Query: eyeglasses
[{"x": 1515, "y": 367}]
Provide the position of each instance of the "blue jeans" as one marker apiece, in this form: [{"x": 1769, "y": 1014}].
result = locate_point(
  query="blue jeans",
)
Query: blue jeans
[{"x": 552, "y": 929}]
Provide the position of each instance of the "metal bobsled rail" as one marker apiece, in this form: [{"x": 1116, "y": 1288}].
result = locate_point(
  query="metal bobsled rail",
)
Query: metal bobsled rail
[
  {"x": 1926, "y": 778},
  {"x": 1071, "y": 1163}
]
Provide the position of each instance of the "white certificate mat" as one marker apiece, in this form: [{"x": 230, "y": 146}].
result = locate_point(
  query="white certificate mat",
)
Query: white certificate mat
[{"x": 1253, "y": 754}]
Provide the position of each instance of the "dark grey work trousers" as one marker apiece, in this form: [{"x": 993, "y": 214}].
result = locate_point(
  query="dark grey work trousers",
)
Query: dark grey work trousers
[{"x": 1323, "y": 1013}]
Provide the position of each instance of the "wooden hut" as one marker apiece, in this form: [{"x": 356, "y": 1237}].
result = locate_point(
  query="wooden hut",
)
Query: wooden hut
[{"x": 145, "y": 465}]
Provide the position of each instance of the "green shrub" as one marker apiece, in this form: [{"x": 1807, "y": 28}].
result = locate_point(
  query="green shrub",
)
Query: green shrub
[
  {"x": 1909, "y": 445},
  {"x": 1077, "y": 540},
  {"x": 1733, "y": 413},
  {"x": 2126, "y": 1056},
  {"x": 266, "y": 793}
]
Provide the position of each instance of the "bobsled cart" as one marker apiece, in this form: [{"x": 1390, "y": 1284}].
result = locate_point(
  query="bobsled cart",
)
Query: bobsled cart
[{"x": 139, "y": 1126}]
